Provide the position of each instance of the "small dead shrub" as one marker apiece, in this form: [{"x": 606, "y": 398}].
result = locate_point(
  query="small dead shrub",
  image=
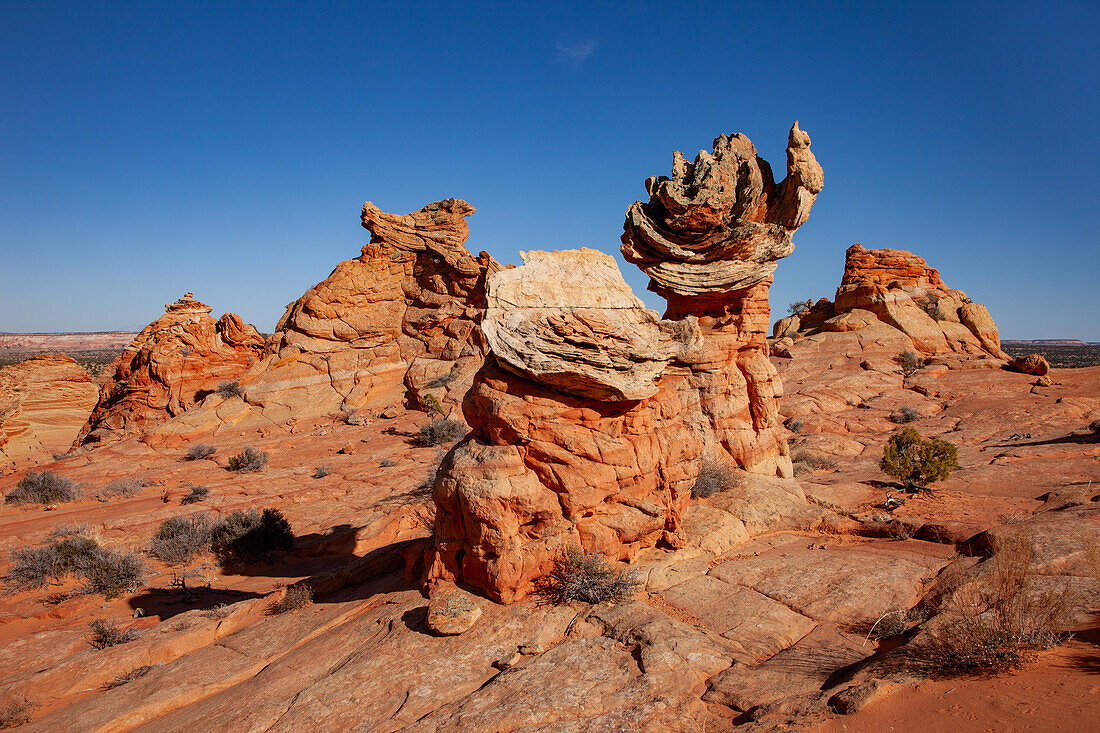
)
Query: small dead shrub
[
  {"x": 180, "y": 540},
  {"x": 909, "y": 362},
  {"x": 200, "y": 451},
  {"x": 104, "y": 633},
  {"x": 249, "y": 536},
  {"x": 15, "y": 712},
  {"x": 388, "y": 463},
  {"x": 321, "y": 472},
  {"x": 133, "y": 674},
  {"x": 714, "y": 477},
  {"x": 806, "y": 462},
  {"x": 904, "y": 415},
  {"x": 249, "y": 460},
  {"x": 195, "y": 494},
  {"x": 120, "y": 489},
  {"x": 229, "y": 389},
  {"x": 893, "y": 622},
  {"x": 930, "y": 304},
  {"x": 799, "y": 307},
  {"x": 579, "y": 575},
  {"x": 440, "y": 431},
  {"x": 793, "y": 424},
  {"x": 45, "y": 487},
  {"x": 997, "y": 622},
  {"x": 218, "y": 612},
  {"x": 295, "y": 597},
  {"x": 112, "y": 572}
]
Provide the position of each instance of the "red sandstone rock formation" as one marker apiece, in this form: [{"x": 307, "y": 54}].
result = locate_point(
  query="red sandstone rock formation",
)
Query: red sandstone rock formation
[
  {"x": 899, "y": 289},
  {"x": 43, "y": 403},
  {"x": 1034, "y": 364},
  {"x": 591, "y": 416},
  {"x": 402, "y": 319},
  {"x": 172, "y": 364}
]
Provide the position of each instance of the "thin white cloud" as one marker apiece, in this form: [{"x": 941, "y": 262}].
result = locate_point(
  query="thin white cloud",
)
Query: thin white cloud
[{"x": 576, "y": 52}]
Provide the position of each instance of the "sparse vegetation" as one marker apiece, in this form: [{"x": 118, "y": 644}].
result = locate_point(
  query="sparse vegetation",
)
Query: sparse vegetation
[
  {"x": 218, "y": 612},
  {"x": 249, "y": 536},
  {"x": 33, "y": 568},
  {"x": 905, "y": 415},
  {"x": 431, "y": 405},
  {"x": 807, "y": 461},
  {"x": 15, "y": 712},
  {"x": 580, "y": 575},
  {"x": 799, "y": 307},
  {"x": 793, "y": 424},
  {"x": 321, "y": 472},
  {"x": 195, "y": 494},
  {"x": 133, "y": 674},
  {"x": 229, "y": 389},
  {"x": 387, "y": 463},
  {"x": 112, "y": 572},
  {"x": 440, "y": 431},
  {"x": 930, "y": 304},
  {"x": 998, "y": 622},
  {"x": 909, "y": 362},
  {"x": 180, "y": 540},
  {"x": 104, "y": 633},
  {"x": 295, "y": 597},
  {"x": 45, "y": 487},
  {"x": 199, "y": 451},
  {"x": 249, "y": 460},
  {"x": 917, "y": 462},
  {"x": 714, "y": 477},
  {"x": 120, "y": 489}
]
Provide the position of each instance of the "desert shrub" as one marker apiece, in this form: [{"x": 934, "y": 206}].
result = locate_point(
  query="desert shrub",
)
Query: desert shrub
[
  {"x": 892, "y": 622},
  {"x": 799, "y": 307},
  {"x": 62, "y": 531},
  {"x": 249, "y": 536},
  {"x": 714, "y": 477},
  {"x": 998, "y": 622},
  {"x": 219, "y": 611},
  {"x": 179, "y": 540},
  {"x": 388, "y": 463},
  {"x": 120, "y": 489},
  {"x": 917, "y": 462},
  {"x": 431, "y": 404},
  {"x": 579, "y": 575},
  {"x": 199, "y": 451},
  {"x": 930, "y": 304},
  {"x": 249, "y": 460},
  {"x": 321, "y": 472},
  {"x": 37, "y": 567},
  {"x": 793, "y": 424},
  {"x": 296, "y": 596},
  {"x": 229, "y": 389},
  {"x": 807, "y": 461},
  {"x": 909, "y": 362},
  {"x": 15, "y": 713},
  {"x": 111, "y": 572},
  {"x": 133, "y": 674},
  {"x": 904, "y": 415},
  {"x": 440, "y": 431},
  {"x": 195, "y": 495},
  {"x": 104, "y": 633},
  {"x": 45, "y": 487}
]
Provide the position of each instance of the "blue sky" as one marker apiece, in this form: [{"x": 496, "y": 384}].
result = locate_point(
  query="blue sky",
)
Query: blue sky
[{"x": 226, "y": 148}]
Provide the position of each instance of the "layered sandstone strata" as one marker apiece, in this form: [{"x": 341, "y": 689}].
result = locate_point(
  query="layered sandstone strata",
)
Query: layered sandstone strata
[
  {"x": 591, "y": 417},
  {"x": 898, "y": 289},
  {"x": 399, "y": 321},
  {"x": 171, "y": 365},
  {"x": 44, "y": 401}
]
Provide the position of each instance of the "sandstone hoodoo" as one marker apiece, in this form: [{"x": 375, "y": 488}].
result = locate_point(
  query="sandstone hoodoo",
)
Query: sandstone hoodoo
[
  {"x": 43, "y": 403},
  {"x": 898, "y": 289},
  {"x": 171, "y": 365},
  {"x": 401, "y": 319},
  {"x": 591, "y": 416}
]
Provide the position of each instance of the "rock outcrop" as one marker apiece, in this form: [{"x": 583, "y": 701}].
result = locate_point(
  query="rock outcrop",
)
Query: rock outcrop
[
  {"x": 591, "y": 417},
  {"x": 401, "y": 321},
  {"x": 44, "y": 401},
  {"x": 1034, "y": 364},
  {"x": 170, "y": 366},
  {"x": 899, "y": 289}
]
